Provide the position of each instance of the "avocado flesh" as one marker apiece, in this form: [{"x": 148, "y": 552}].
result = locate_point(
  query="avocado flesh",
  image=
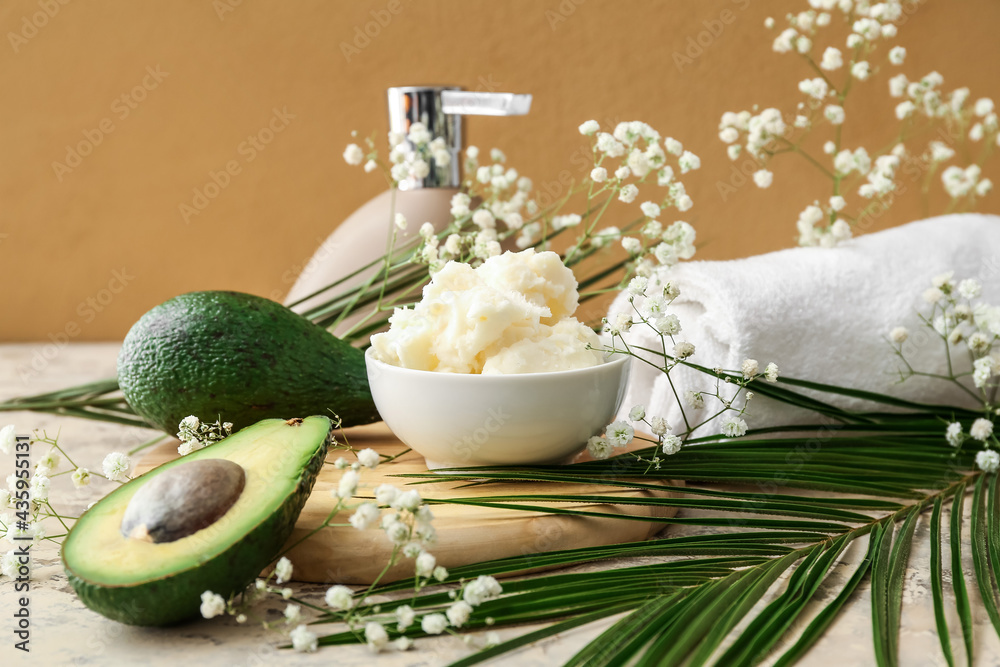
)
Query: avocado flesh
[
  {"x": 241, "y": 358},
  {"x": 140, "y": 582}
]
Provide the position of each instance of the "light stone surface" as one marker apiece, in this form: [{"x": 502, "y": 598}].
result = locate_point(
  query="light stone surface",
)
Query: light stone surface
[{"x": 64, "y": 632}]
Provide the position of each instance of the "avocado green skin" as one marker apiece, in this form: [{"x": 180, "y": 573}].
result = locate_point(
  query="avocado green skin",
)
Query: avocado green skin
[
  {"x": 177, "y": 597},
  {"x": 241, "y": 358}
]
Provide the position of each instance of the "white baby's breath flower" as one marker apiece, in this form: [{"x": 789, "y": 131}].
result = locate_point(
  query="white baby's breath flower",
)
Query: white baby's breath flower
[
  {"x": 832, "y": 59},
  {"x": 303, "y": 640},
  {"x": 953, "y": 434},
  {"x": 370, "y": 166},
  {"x": 348, "y": 484},
  {"x": 404, "y": 617},
  {"x": 620, "y": 433},
  {"x": 40, "y": 488},
  {"x": 988, "y": 461},
  {"x": 283, "y": 570},
  {"x": 434, "y": 624},
  {"x": 671, "y": 444},
  {"x": 400, "y": 221},
  {"x": 897, "y": 85},
  {"x": 981, "y": 429},
  {"x": 631, "y": 245},
  {"x": 897, "y": 55},
  {"x": 837, "y": 203},
  {"x": 763, "y": 178},
  {"x": 637, "y": 413},
  {"x": 970, "y": 288},
  {"x": 829, "y": 148},
  {"x": 212, "y": 604},
  {"x": 729, "y": 134},
  {"x": 899, "y": 335},
  {"x": 353, "y": 155},
  {"x": 834, "y": 114},
  {"x": 905, "y": 109},
  {"x": 368, "y": 457},
  {"x": 694, "y": 399},
  {"x": 816, "y": 88},
  {"x": 365, "y": 516},
  {"x": 116, "y": 466},
  {"x": 688, "y": 161},
  {"x": 339, "y": 598},
  {"x": 425, "y": 564},
  {"x": 983, "y": 106},
  {"x": 81, "y": 477},
  {"x": 749, "y": 368},
  {"x": 628, "y": 193},
  {"x": 8, "y": 438},
  {"x": 293, "y": 613},
  {"x": 673, "y": 146},
  {"x": 599, "y": 447},
  {"x": 637, "y": 286},
  {"x": 650, "y": 209},
  {"x": 407, "y": 500},
  {"x": 769, "y": 22},
  {"x": 658, "y": 426},
  {"x": 861, "y": 70},
  {"x": 598, "y": 174},
  {"x": 375, "y": 636},
  {"x": 683, "y": 350},
  {"x": 458, "y": 613},
  {"x": 589, "y": 128},
  {"x": 733, "y": 426},
  {"x": 623, "y": 172}
]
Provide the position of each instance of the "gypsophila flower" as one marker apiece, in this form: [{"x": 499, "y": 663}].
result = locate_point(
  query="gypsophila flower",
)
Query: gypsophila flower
[
  {"x": 834, "y": 114},
  {"x": 599, "y": 447},
  {"x": 688, "y": 161},
  {"x": 407, "y": 500},
  {"x": 425, "y": 564},
  {"x": 116, "y": 466},
  {"x": 458, "y": 613},
  {"x": 8, "y": 438},
  {"x": 212, "y": 605},
  {"x": 40, "y": 488},
  {"x": 670, "y": 444},
  {"x": 861, "y": 70},
  {"x": 953, "y": 434},
  {"x": 683, "y": 350},
  {"x": 589, "y": 128},
  {"x": 988, "y": 461},
  {"x": 620, "y": 433},
  {"x": 353, "y": 155},
  {"x": 434, "y": 624},
  {"x": 365, "y": 516},
  {"x": 339, "y": 598},
  {"x": 650, "y": 209},
  {"x": 628, "y": 193},
  {"x": 375, "y": 636},
  {"x": 481, "y": 589},
  {"x": 81, "y": 477},
  {"x": 749, "y": 368},
  {"x": 658, "y": 426},
  {"x": 970, "y": 288},
  {"x": 733, "y": 427},
  {"x": 897, "y": 55},
  {"x": 348, "y": 484},
  {"x": 283, "y": 570},
  {"x": 9, "y": 564},
  {"x": 293, "y": 614},
  {"x": 631, "y": 245},
  {"x": 368, "y": 457},
  {"x": 598, "y": 174},
  {"x": 762, "y": 178},
  {"x": 404, "y": 617},
  {"x": 814, "y": 88},
  {"x": 829, "y": 148},
  {"x": 694, "y": 399},
  {"x": 899, "y": 335},
  {"x": 673, "y": 146},
  {"x": 983, "y": 106},
  {"x": 832, "y": 59},
  {"x": 981, "y": 429},
  {"x": 637, "y": 413},
  {"x": 303, "y": 640}
]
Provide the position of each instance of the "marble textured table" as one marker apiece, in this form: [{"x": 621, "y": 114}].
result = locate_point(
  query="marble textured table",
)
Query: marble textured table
[{"x": 64, "y": 632}]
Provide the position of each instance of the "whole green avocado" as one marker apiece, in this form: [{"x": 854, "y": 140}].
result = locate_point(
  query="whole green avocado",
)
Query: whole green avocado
[{"x": 241, "y": 358}]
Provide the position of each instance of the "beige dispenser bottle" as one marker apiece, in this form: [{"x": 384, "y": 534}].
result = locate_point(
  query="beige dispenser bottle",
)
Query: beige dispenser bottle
[{"x": 362, "y": 237}]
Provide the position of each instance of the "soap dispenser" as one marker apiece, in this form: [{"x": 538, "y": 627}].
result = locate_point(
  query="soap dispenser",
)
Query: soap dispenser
[{"x": 362, "y": 237}]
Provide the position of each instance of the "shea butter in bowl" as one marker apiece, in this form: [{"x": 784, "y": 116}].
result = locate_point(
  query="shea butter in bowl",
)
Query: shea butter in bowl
[
  {"x": 491, "y": 367},
  {"x": 459, "y": 419}
]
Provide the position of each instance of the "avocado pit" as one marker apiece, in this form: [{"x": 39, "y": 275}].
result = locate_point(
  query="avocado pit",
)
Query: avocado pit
[{"x": 183, "y": 500}]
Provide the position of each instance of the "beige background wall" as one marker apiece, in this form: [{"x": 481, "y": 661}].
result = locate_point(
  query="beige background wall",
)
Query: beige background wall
[{"x": 200, "y": 77}]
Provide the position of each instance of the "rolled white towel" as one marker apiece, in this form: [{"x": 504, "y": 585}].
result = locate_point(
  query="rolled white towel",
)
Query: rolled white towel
[{"x": 820, "y": 314}]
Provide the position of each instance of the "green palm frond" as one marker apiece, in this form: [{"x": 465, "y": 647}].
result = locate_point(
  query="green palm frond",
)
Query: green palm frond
[{"x": 783, "y": 510}]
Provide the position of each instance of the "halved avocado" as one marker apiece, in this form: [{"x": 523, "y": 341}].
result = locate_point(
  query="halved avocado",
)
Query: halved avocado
[{"x": 211, "y": 520}]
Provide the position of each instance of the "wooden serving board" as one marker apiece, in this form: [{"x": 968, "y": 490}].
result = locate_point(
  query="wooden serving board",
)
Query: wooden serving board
[{"x": 465, "y": 534}]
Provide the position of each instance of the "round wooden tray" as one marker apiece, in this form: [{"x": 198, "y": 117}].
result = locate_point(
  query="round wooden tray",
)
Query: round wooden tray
[{"x": 465, "y": 534}]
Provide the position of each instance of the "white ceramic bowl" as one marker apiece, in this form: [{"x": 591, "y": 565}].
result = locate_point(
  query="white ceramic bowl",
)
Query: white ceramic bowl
[{"x": 456, "y": 419}]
